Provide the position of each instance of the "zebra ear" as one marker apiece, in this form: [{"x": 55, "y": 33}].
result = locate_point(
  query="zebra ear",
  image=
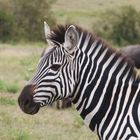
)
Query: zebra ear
[
  {"x": 71, "y": 39},
  {"x": 47, "y": 32},
  {"x": 47, "y": 29}
]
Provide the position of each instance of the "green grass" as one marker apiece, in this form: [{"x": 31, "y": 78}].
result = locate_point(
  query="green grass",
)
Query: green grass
[
  {"x": 19, "y": 135},
  {"x": 13, "y": 88},
  {"x": 8, "y": 87},
  {"x": 48, "y": 123},
  {"x": 7, "y": 101},
  {"x": 2, "y": 86}
]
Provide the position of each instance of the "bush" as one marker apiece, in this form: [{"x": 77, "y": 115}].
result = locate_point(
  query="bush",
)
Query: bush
[
  {"x": 122, "y": 27},
  {"x": 23, "y": 19},
  {"x": 7, "y": 21},
  {"x": 6, "y": 26},
  {"x": 30, "y": 15}
]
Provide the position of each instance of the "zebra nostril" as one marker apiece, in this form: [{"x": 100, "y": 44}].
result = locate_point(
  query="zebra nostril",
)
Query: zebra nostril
[{"x": 27, "y": 102}]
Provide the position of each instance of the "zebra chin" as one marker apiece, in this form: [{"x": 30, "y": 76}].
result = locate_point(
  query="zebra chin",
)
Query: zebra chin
[
  {"x": 31, "y": 110},
  {"x": 26, "y": 102}
]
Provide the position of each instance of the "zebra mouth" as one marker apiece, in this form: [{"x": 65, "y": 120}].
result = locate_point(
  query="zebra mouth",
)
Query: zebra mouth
[
  {"x": 29, "y": 108},
  {"x": 25, "y": 100},
  {"x": 34, "y": 110}
]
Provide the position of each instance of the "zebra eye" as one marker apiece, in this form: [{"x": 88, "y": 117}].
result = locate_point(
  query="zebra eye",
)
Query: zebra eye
[{"x": 55, "y": 67}]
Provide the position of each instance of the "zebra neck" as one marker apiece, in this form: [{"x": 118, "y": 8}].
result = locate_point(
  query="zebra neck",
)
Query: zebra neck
[{"x": 103, "y": 80}]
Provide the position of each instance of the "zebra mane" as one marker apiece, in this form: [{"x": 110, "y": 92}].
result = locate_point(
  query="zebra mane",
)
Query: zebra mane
[{"x": 58, "y": 35}]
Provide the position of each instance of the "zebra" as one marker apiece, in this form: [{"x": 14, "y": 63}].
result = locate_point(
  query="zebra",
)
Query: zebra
[
  {"x": 101, "y": 83},
  {"x": 133, "y": 52}
]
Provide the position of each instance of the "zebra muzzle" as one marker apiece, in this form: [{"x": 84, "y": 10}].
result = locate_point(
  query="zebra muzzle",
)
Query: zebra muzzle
[{"x": 26, "y": 102}]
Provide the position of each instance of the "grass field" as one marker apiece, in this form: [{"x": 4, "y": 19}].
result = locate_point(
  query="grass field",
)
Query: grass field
[{"x": 17, "y": 64}]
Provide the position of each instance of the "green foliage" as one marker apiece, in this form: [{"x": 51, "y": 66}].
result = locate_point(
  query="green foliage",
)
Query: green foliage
[
  {"x": 7, "y": 21},
  {"x": 6, "y": 26},
  {"x": 30, "y": 15},
  {"x": 122, "y": 26},
  {"x": 23, "y": 19}
]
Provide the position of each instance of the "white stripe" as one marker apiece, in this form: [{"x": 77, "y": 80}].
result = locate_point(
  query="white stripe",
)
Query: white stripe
[
  {"x": 81, "y": 77},
  {"x": 40, "y": 88},
  {"x": 81, "y": 109},
  {"x": 39, "y": 101},
  {"x": 66, "y": 82},
  {"x": 38, "y": 77},
  {"x": 86, "y": 82},
  {"x": 113, "y": 94},
  {"x": 139, "y": 112},
  {"x": 117, "y": 108},
  {"x": 99, "y": 80},
  {"x": 92, "y": 47},
  {"x": 48, "y": 77},
  {"x": 98, "y": 62},
  {"x": 41, "y": 94},
  {"x": 83, "y": 73},
  {"x": 124, "y": 105},
  {"x": 55, "y": 84},
  {"x": 78, "y": 46},
  {"x": 40, "y": 98},
  {"x": 86, "y": 42},
  {"x": 95, "y": 110},
  {"x": 137, "y": 130},
  {"x": 127, "y": 132},
  {"x": 122, "y": 127}
]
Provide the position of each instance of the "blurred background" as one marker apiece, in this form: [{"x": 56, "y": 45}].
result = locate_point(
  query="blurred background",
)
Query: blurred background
[{"x": 22, "y": 42}]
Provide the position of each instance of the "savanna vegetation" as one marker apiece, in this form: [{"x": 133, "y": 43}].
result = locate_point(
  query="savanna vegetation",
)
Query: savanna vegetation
[{"x": 22, "y": 41}]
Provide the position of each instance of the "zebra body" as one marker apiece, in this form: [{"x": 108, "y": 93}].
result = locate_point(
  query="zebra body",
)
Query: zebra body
[
  {"x": 107, "y": 96},
  {"x": 101, "y": 83}
]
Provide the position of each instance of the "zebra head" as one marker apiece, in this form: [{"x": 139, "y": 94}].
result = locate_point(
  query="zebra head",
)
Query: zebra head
[{"x": 56, "y": 74}]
